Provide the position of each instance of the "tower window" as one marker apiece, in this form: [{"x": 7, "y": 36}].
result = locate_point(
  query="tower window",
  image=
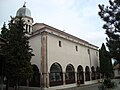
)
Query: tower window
[
  {"x": 88, "y": 51},
  {"x": 26, "y": 27},
  {"x": 28, "y": 20},
  {"x": 29, "y": 28},
  {"x": 76, "y": 48},
  {"x": 60, "y": 44},
  {"x": 96, "y": 53}
]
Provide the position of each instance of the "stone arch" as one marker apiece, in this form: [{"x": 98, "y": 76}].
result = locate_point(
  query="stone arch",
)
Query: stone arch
[
  {"x": 80, "y": 75},
  {"x": 35, "y": 80},
  {"x": 93, "y": 73},
  {"x": 87, "y": 73},
  {"x": 70, "y": 74},
  {"x": 56, "y": 75}
]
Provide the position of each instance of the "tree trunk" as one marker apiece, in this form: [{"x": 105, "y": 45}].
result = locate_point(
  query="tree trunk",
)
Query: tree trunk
[
  {"x": 27, "y": 82},
  {"x": 16, "y": 87},
  {"x": 7, "y": 84},
  {"x": 2, "y": 82},
  {"x": 2, "y": 77}
]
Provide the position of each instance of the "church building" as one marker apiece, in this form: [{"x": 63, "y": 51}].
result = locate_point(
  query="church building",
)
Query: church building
[{"x": 60, "y": 58}]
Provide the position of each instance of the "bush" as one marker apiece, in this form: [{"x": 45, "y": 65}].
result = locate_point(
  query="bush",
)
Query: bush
[{"x": 109, "y": 84}]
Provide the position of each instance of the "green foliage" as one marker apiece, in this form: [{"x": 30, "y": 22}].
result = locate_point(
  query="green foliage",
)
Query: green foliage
[
  {"x": 17, "y": 51},
  {"x": 109, "y": 84},
  {"x": 4, "y": 31},
  {"x": 35, "y": 80},
  {"x": 105, "y": 62},
  {"x": 4, "y": 36},
  {"x": 111, "y": 16}
]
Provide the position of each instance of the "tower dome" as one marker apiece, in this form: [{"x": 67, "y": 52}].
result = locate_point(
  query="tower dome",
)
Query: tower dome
[{"x": 23, "y": 11}]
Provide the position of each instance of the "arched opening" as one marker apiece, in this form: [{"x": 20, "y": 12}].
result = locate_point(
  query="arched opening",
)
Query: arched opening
[
  {"x": 35, "y": 80},
  {"x": 70, "y": 74},
  {"x": 87, "y": 73},
  {"x": 93, "y": 73},
  {"x": 56, "y": 75},
  {"x": 26, "y": 28},
  {"x": 97, "y": 72},
  {"x": 29, "y": 28},
  {"x": 80, "y": 75}
]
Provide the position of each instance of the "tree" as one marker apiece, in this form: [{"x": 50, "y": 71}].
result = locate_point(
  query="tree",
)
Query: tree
[
  {"x": 3, "y": 35},
  {"x": 111, "y": 16},
  {"x": 2, "y": 59},
  {"x": 4, "y": 31},
  {"x": 105, "y": 62},
  {"x": 17, "y": 52}
]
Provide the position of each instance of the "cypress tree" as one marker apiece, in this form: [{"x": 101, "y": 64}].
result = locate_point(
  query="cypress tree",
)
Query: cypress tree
[
  {"x": 111, "y": 16},
  {"x": 18, "y": 52},
  {"x": 105, "y": 62},
  {"x": 3, "y": 35}
]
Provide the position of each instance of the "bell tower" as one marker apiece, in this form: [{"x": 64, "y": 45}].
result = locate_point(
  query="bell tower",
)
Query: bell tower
[{"x": 25, "y": 13}]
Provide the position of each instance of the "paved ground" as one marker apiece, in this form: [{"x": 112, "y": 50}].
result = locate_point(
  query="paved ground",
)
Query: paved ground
[
  {"x": 89, "y": 87},
  {"x": 118, "y": 84},
  {"x": 83, "y": 87},
  {"x": 95, "y": 86}
]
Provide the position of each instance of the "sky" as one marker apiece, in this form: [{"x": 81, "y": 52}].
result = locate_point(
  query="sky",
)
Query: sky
[{"x": 77, "y": 17}]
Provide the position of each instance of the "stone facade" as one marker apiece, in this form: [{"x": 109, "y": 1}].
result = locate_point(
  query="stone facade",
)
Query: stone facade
[
  {"x": 52, "y": 46},
  {"x": 60, "y": 58}
]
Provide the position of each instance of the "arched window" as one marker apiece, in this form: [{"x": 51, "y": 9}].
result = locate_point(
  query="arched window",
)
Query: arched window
[
  {"x": 26, "y": 28},
  {"x": 70, "y": 74},
  {"x": 80, "y": 75},
  {"x": 29, "y": 28},
  {"x": 97, "y": 72},
  {"x": 56, "y": 76},
  {"x": 93, "y": 73},
  {"x": 87, "y": 73},
  {"x": 35, "y": 80}
]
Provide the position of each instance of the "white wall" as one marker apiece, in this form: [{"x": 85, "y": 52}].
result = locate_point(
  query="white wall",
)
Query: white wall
[
  {"x": 35, "y": 43},
  {"x": 67, "y": 54},
  {"x": 117, "y": 73}
]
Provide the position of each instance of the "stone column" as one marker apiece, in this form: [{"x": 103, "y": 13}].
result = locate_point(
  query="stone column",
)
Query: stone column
[
  {"x": 75, "y": 77},
  {"x": 84, "y": 76},
  {"x": 90, "y": 75},
  {"x": 48, "y": 84},
  {"x": 63, "y": 78},
  {"x": 44, "y": 70}
]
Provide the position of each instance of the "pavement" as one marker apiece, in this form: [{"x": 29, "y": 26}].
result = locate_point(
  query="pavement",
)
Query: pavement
[
  {"x": 86, "y": 87},
  {"x": 95, "y": 86},
  {"x": 118, "y": 84},
  {"x": 74, "y": 87}
]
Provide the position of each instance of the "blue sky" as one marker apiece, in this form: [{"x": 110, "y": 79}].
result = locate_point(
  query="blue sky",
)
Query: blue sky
[{"x": 77, "y": 17}]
